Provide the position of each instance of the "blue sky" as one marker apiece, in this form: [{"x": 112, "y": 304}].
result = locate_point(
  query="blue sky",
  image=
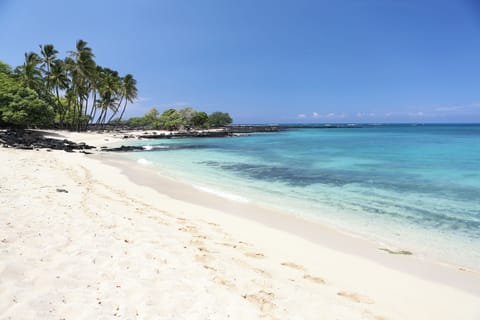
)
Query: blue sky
[{"x": 269, "y": 61}]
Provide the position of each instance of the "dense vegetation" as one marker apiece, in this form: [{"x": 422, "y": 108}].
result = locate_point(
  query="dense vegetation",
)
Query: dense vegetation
[
  {"x": 185, "y": 118},
  {"x": 68, "y": 93},
  {"x": 75, "y": 92}
]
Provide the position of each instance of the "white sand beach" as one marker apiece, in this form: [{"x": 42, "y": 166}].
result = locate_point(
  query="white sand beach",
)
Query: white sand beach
[{"x": 82, "y": 237}]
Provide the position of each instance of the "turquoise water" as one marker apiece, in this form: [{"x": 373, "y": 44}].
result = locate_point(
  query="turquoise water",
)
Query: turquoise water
[{"x": 412, "y": 187}]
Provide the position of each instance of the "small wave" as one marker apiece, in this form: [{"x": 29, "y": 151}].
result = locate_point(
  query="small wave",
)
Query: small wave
[
  {"x": 148, "y": 148},
  {"x": 222, "y": 194},
  {"x": 144, "y": 162}
]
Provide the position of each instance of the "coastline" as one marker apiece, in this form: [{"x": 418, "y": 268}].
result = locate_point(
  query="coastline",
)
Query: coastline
[
  {"x": 310, "y": 230},
  {"x": 252, "y": 263}
]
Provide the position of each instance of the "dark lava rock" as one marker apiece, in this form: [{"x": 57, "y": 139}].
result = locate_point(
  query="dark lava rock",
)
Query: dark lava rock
[
  {"x": 124, "y": 149},
  {"x": 31, "y": 140}
]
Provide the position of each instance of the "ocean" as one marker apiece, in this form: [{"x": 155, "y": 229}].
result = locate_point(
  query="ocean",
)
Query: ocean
[{"x": 409, "y": 187}]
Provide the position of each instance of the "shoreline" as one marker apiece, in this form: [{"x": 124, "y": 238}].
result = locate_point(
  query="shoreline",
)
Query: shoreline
[
  {"x": 97, "y": 235},
  {"x": 454, "y": 275},
  {"x": 435, "y": 253}
]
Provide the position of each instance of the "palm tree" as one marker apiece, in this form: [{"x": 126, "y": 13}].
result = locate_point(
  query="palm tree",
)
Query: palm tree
[
  {"x": 95, "y": 80},
  {"x": 49, "y": 54},
  {"x": 59, "y": 81},
  {"x": 129, "y": 91},
  {"x": 29, "y": 72},
  {"x": 81, "y": 68},
  {"x": 109, "y": 90}
]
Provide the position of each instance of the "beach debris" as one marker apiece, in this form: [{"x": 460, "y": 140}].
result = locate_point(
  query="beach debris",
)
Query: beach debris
[
  {"x": 404, "y": 252},
  {"x": 62, "y": 190}
]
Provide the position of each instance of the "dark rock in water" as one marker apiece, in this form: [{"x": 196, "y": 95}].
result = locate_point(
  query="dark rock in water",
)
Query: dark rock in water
[
  {"x": 125, "y": 149},
  {"x": 188, "y": 134},
  {"x": 253, "y": 128}
]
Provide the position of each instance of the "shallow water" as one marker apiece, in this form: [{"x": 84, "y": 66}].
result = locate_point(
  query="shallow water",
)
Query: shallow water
[{"x": 413, "y": 187}]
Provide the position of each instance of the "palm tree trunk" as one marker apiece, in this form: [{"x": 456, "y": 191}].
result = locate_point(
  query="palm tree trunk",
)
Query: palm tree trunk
[
  {"x": 123, "y": 111},
  {"x": 116, "y": 110},
  {"x": 59, "y": 107}
]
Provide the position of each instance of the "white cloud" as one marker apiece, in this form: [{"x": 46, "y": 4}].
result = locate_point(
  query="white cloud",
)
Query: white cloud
[
  {"x": 416, "y": 114},
  {"x": 451, "y": 108},
  {"x": 301, "y": 116},
  {"x": 465, "y": 108},
  {"x": 142, "y": 99},
  {"x": 315, "y": 115}
]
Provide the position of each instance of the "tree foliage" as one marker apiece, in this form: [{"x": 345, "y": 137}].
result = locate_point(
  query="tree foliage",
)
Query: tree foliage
[
  {"x": 200, "y": 120},
  {"x": 79, "y": 91},
  {"x": 20, "y": 105},
  {"x": 171, "y": 119},
  {"x": 186, "y": 118},
  {"x": 219, "y": 119}
]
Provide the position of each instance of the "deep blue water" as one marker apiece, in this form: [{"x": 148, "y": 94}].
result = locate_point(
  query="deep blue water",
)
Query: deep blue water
[{"x": 414, "y": 187}]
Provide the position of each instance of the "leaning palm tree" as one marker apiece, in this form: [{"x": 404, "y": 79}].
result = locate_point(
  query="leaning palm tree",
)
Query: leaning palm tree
[
  {"x": 129, "y": 91},
  {"x": 95, "y": 81},
  {"x": 109, "y": 94}
]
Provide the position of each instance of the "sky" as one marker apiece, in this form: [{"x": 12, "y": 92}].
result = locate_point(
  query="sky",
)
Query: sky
[{"x": 273, "y": 61}]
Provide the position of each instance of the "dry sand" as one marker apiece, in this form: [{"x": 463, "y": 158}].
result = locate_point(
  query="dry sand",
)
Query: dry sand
[{"x": 80, "y": 240}]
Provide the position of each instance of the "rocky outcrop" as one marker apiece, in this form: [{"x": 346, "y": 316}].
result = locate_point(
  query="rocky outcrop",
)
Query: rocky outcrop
[{"x": 32, "y": 140}]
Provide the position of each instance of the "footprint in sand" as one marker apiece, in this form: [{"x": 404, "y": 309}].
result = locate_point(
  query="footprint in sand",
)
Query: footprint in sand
[
  {"x": 262, "y": 272},
  {"x": 255, "y": 255},
  {"x": 262, "y": 300},
  {"x": 293, "y": 265},
  {"x": 209, "y": 267},
  {"x": 203, "y": 258},
  {"x": 314, "y": 279},
  {"x": 200, "y": 236},
  {"x": 355, "y": 297},
  {"x": 181, "y": 220},
  {"x": 224, "y": 282},
  {"x": 226, "y": 244},
  {"x": 197, "y": 242}
]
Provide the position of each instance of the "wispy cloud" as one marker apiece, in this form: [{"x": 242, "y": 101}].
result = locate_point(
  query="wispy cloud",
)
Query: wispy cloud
[
  {"x": 459, "y": 108},
  {"x": 451, "y": 108},
  {"x": 366, "y": 114},
  {"x": 142, "y": 99},
  {"x": 316, "y": 115}
]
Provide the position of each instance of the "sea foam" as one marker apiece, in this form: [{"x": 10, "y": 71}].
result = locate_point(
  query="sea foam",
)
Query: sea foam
[
  {"x": 222, "y": 194},
  {"x": 144, "y": 162}
]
